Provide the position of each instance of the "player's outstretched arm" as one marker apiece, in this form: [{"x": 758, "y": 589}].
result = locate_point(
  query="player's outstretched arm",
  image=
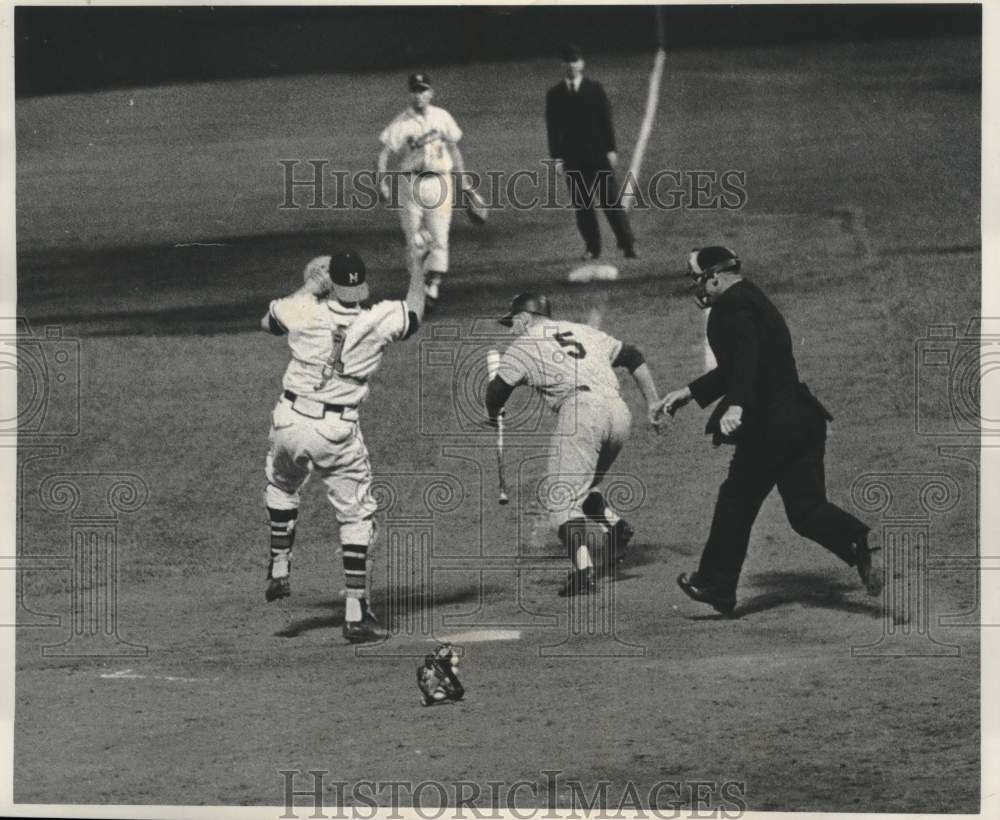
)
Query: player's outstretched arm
[
  {"x": 631, "y": 358},
  {"x": 415, "y": 299},
  {"x": 382, "y": 166},
  {"x": 671, "y": 402},
  {"x": 644, "y": 379}
]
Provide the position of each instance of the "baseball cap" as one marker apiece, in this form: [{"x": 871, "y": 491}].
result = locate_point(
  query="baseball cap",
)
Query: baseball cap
[
  {"x": 419, "y": 81},
  {"x": 347, "y": 273},
  {"x": 571, "y": 53}
]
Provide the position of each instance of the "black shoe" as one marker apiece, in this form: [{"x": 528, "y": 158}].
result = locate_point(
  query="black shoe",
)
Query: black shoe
[
  {"x": 621, "y": 534},
  {"x": 367, "y": 630},
  {"x": 630, "y": 253},
  {"x": 589, "y": 255},
  {"x": 869, "y": 563},
  {"x": 718, "y": 600},
  {"x": 432, "y": 291},
  {"x": 579, "y": 582},
  {"x": 277, "y": 588}
]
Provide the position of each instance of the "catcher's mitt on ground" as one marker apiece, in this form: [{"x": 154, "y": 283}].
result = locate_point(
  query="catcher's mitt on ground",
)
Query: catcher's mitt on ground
[
  {"x": 437, "y": 679},
  {"x": 475, "y": 207}
]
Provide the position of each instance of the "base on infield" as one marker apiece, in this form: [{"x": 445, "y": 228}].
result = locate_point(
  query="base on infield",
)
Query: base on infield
[{"x": 593, "y": 272}]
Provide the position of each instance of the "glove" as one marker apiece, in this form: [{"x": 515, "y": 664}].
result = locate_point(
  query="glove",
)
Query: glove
[
  {"x": 437, "y": 679},
  {"x": 475, "y": 208}
]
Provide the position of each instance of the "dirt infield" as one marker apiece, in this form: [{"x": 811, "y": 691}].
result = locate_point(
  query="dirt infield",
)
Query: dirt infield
[{"x": 815, "y": 697}]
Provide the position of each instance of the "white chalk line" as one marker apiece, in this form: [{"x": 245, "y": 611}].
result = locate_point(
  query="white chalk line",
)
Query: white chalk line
[
  {"x": 652, "y": 98},
  {"x": 129, "y": 674},
  {"x": 482, "y": 635}
]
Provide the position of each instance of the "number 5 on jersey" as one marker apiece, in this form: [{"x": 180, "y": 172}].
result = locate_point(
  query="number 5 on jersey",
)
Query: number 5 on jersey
[{"x": 566, "y": 339}]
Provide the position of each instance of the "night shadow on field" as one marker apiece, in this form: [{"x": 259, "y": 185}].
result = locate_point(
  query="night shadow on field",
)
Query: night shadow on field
[
  {"x": 405, "y": 602},
  {"x": 813, "y": 589}
]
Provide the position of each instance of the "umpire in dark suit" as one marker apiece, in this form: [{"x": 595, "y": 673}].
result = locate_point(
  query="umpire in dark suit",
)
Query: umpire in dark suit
[
  {"x": 582, "y": 138},
  {"x": 777, "y": 425}
]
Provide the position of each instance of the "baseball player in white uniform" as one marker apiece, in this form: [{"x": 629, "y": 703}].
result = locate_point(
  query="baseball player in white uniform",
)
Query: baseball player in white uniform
[
  {"x": 572, "y": 366},
  {"x": 336, "y": 346},
  {"x": 422, "y": 143}
]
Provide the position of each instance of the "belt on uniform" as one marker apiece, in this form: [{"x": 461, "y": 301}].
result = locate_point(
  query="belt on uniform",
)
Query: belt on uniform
[{"x": 329, "y": 408}]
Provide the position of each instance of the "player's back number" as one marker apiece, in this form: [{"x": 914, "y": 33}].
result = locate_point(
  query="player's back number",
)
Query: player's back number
[{"x": 575, "y": 349}]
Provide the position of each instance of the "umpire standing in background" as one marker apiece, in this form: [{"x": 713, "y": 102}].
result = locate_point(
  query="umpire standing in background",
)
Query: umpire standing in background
[
  {"x": 582, "y": 140},
  {"x": 777, "y": 425}
]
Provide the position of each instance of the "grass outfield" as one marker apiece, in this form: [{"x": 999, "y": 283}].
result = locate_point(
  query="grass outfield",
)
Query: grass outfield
[{"x": 862, "y": 164}]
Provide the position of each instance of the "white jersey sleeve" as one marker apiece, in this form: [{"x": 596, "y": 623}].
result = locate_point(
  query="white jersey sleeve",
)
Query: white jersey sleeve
[
  {"x": 449, "y": 128},
  {"x": 294, "y": 312},
  {"x": 600, "y": 342},
  {"x": 516, "y": 364},
  {"x": 392, "y": 136},
  {"x": 390, "y": 321}
]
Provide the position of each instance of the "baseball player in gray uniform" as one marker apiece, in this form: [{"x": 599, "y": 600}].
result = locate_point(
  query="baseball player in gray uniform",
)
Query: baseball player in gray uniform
[
  {"x": 422, "y": 143},
  {"x": 572, "y": 366},
  {"x": 336, "y": 346}
]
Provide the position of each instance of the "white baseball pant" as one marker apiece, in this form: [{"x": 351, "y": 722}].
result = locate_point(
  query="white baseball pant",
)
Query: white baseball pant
[
  {"x": 332, "y": 446},
  {"x": 590, "y": 433},
  {"x": 426, "y": 219}
]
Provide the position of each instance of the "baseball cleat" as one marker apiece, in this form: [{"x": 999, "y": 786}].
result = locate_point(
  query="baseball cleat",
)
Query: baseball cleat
[
  {"x": 432, "y": 289},
  {"x": 277, "y": 588},
  {"x": 719, "y": 601},
  {"x": 278, "y": 579},
  {"x": 589, "y": 255},
  {"x": 630, "y": 253},
  {"x": 869, "y": 563},
  {"x": 621, "y": 534},
  {"x": 367, "y": 630},
  {"x": 579, "y": 582}
]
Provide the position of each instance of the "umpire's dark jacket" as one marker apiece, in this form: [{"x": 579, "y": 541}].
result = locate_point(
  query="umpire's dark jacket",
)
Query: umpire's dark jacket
[
  {"x": 579, "y": 125},
  {"x": 756, "y": 370}
]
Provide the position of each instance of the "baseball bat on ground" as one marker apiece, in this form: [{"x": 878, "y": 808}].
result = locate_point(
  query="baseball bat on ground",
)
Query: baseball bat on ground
[{"x": 492, "y": 366}]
